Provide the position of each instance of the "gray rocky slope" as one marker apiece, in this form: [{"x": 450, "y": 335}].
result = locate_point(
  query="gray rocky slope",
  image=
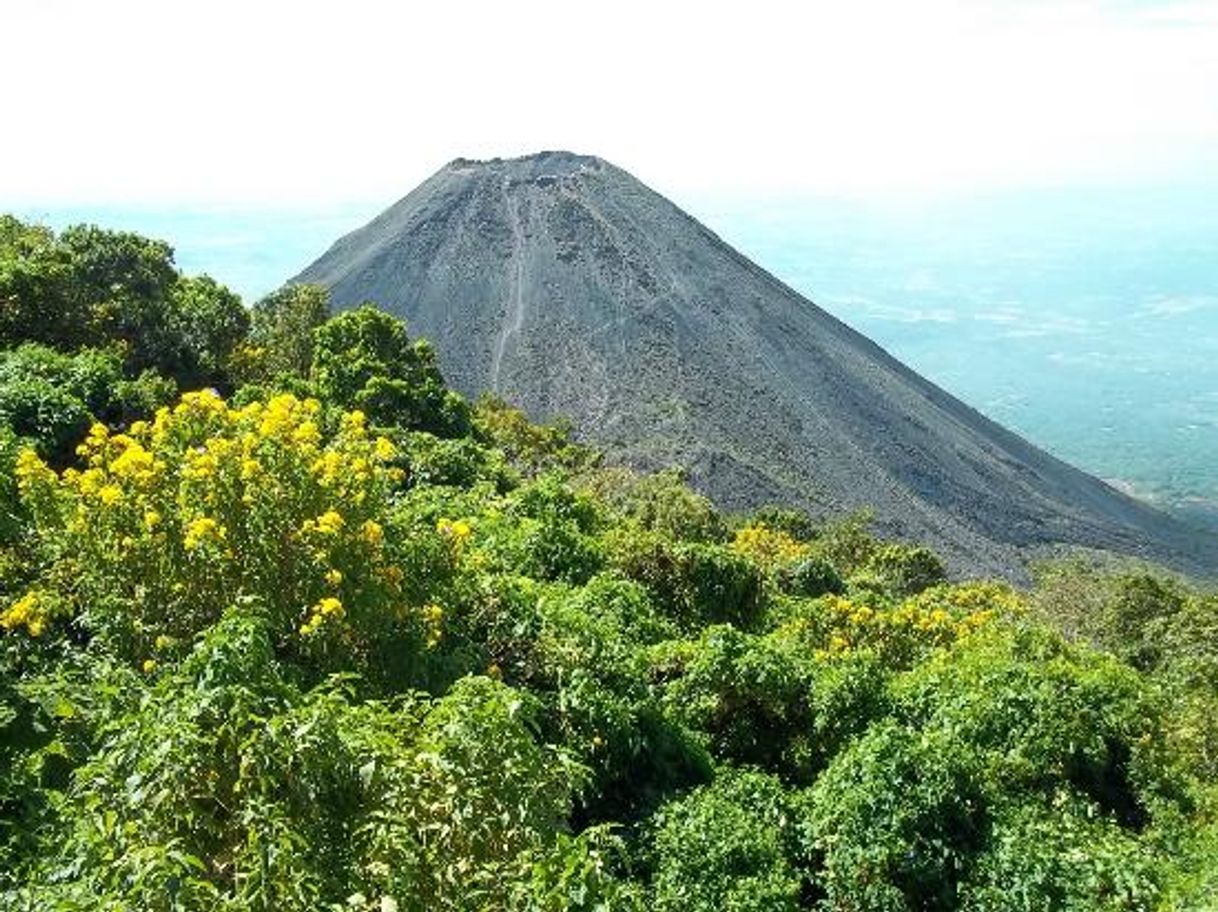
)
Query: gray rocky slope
[{"x": 567, "y": 286}]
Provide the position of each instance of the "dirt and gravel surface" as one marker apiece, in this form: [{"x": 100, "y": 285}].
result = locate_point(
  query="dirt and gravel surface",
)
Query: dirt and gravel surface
[{"x": 570, "y": 288}]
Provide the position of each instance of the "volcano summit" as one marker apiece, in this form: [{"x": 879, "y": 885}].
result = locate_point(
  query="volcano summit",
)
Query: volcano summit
[{"x": 564, "y": 284}]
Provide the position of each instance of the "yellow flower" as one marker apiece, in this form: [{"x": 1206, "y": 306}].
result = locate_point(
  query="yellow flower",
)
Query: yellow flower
[
  {"x": 203, "y": 403},
  {"x": 134, "y": 463},
  {"x": 334, "y": 577},
  {"x": 163, "y": 642},
  {"x": 456, "y": 530},
  {"x": 29, "y": 611},
  {"x": 152, "y": 519},
  {"x": 31, "y": 470},
  {"x": 384, "y": 449},
  {"x": 110, "y": 494},
  {"x": 279, "y": 416},
  {"x": 149, "y": 666},
  {"x": 200, "y": 464},
  {"x": 768, "y": 547},
  {"x": 330, "y": 606},
  {"x": 353, "y": 423},
  {"x": 329, "y": 523},
  {"x": 433, "y": 615},
  {"x": 373, "y": 533},
  {"x": 325, "y": 609},
  {"x": 203, "y": 529},
  {"x": 307, "y": 434}
]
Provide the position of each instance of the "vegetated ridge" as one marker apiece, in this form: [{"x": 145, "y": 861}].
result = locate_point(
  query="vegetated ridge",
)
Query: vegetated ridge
[{"x": 569, "y": 287}]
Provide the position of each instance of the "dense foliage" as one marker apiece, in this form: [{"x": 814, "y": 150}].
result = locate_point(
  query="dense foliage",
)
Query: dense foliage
[{"x": 285, "y": 624}]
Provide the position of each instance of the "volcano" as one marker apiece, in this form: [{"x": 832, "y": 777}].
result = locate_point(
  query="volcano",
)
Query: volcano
[{"x": 568, "y": 287}]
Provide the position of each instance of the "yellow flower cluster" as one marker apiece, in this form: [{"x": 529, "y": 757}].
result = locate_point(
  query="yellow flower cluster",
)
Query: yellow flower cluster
[
  {"x": 326, "y": 609},
  {"x": 980, "y": 599},
  {"x": 207, "y": 501},
  {"x": 329, "y": 523},
  {"x": 769, "y": 548},
  {"x": 31, "y": 611},
  {"x": 31, "y": 470},
  {"x": 933, "y": 619},
  {"x": 433, "y": 618},
  {"x": 372, "y": 533},
  {"x": 456, "y": 531},
  {"x": 203, "y": 530}
]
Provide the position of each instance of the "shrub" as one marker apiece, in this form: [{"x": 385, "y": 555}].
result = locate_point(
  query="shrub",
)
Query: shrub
[
  {"x": 903, "y": 570},
  {"x": 795, "y": 523},
  {"x": 1061, "y": 854},
  {"x": 895, "y": 821},
  {"x": 660, "y": 502},
  {"x": 811, "y": 577},
  {"x": 167, "y": 524},
  {"x": 1044, "y": 716},
  {"x": 747, "y": 697},
  {"x": 768, "y": 548},
  {"x": 50, "y": 416},
  {"x": 898, "y": 635},
  {"x": 694, "y": 583},
  {"x": 363, "y": 359},
  {"x": 731, "y": 845}
]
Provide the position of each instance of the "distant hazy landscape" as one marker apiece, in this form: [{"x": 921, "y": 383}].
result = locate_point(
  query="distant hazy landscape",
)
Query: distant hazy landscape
[{"x": 1085, "y": 320}]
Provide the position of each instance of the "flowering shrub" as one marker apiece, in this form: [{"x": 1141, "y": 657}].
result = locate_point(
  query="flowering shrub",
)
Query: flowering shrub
[
  {"x": 769, "y": 548},
  {"x": 900, "y": 633},
  {"x": 165, "y": 526}
]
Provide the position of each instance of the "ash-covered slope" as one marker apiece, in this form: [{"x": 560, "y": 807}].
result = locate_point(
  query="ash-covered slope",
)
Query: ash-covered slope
[{"x": 564, "y": 284}]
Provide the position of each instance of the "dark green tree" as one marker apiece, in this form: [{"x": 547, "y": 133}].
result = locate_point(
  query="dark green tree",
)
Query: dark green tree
[
  {"x": 281, "y": 329},
  {"x": 364, "y": 359}
]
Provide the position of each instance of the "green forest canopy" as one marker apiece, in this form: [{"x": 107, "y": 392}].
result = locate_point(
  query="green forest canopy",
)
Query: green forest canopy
[{"x": 285, "y": 624}]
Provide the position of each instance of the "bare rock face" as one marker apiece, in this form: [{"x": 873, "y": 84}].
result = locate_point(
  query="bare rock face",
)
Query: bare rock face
[{"x": 570, "y": 288}]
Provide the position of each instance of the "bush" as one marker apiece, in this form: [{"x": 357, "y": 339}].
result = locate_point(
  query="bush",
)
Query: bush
[
  {"x": 795, "y": 523},
  {"x": 747, "y": 697},
  {"x": 661, "y": 502},
  {"x": 694, "y": 583},
  {"x": 229, "y": 788},
  {"x": 52, "y": 398},
  {"x": 903, "y": 571},
  {"x": 50, "y": 416},
  {"x": 731, "y": 846},
  {"x": 363, "y": 359},
  {"x": 895, "y": 821},
  {"x": 1044, "y": 717},
  {"x": 810, "y": 578},
  {"x": 166, "y": 525},
  {"x": 1059, "y": 855}
]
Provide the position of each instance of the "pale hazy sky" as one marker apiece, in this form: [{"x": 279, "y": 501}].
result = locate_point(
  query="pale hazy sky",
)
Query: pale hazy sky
[{"x": 246, "y": 102}]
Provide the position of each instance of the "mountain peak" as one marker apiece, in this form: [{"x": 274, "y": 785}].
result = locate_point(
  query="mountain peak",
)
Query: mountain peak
[
  {"x": 601, "y": 301},
  {"x": 555, "y": 164}
]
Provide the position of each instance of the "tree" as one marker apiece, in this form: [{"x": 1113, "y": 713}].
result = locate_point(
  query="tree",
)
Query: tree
[
  {"x": 364, "y": 359},
  {"x": 212, "y": 322},
  {"x": 281, "y": 329}
]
